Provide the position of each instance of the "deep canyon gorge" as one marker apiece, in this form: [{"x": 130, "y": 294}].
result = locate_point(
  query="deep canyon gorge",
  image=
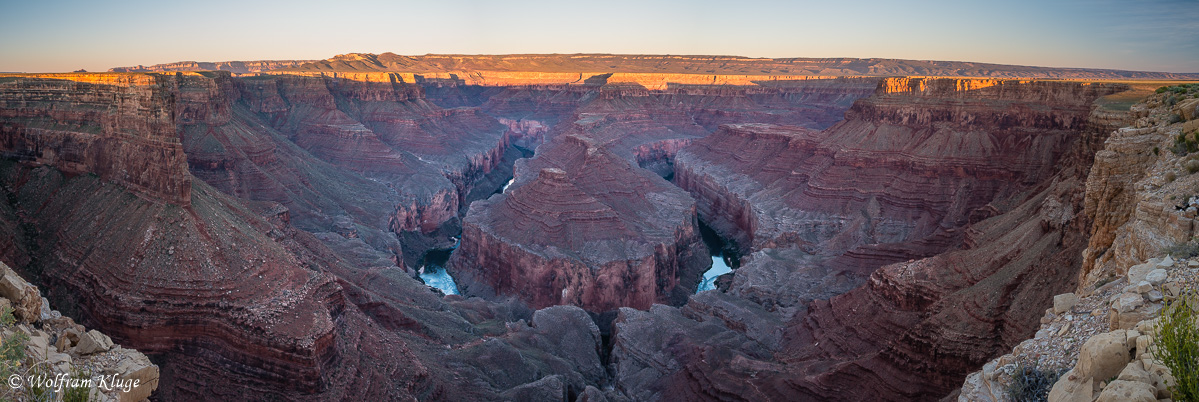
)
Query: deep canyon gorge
[{"x": 261, "y": 229}]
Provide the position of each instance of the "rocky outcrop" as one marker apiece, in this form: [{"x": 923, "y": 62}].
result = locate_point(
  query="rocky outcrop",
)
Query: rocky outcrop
[
  {"x": 1140, "y": 187},
  {"x": 1101, "y": 338},
  {"x": 118, "y": 126},
  {"x": 44, "y": 360},
  {"x": 588, "y": 229}
]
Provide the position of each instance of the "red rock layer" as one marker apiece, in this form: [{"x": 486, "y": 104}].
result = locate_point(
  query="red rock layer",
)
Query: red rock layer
[
  {"x": 231, "y": 310},
  {"x": 918, "y": 162},
  {"x": 235, "y": 301},
  {"x": 118, "y": 126},
  {"x": 231, "y": 148},
  {"x": 589, "y": 230},
  {"x": 384, "y": 129}
]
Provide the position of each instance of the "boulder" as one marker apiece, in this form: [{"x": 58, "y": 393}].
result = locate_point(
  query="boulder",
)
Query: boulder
[
  {"x": 1134, "y": 371},
  {"x": 1072, "y": 388},
  {"x": 1128, "y": 391},
  {"x": 1103, "y": 356},
  {"x": 1128, "y": 302},
  {"x": 137, "y": 367},
  {"x": 1138, "y": 272},
  {"x": 67, "y": 339},
  {"x": 93, "y": 342},
  {"x": 1064, "y": 302},
  {"x": 1156, "y": 277}
]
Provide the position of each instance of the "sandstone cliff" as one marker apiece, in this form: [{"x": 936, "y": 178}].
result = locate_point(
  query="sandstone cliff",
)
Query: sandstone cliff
[
  {"x": 705, "y": 65},
  {"x": 236, "y": 67}
]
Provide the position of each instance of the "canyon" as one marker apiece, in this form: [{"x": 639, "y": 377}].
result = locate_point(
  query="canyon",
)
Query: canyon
[{"x": 261, "y": 228}]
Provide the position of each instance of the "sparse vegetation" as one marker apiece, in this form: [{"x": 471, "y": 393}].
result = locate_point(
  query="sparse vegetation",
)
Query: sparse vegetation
[
  {"x": 1156, "y": 151},
  {"x": 76, "y": 394},
  {"x": 1032, "y": 384},
  {"x": 1192, "y": 166},
  {"x": 1170, "y": 177},
  {"x": 12, "y": 347},
  {"x": 1184, "y": 144},
  {"x": 1177, "y": 346}
]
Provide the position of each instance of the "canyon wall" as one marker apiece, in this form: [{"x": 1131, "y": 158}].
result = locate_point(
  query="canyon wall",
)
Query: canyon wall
[
  {"x": 705, "y": 66},
  {"x": 118, "y": 126},
  {"x": 259, "y": 234},
  {"x": 952, "y": 270},
  {"x": 236, "y": 67},
  {"x": 227, "y": 292}
]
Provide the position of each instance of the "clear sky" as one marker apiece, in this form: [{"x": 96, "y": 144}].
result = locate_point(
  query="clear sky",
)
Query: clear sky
[{"x": 64, "y": 35}]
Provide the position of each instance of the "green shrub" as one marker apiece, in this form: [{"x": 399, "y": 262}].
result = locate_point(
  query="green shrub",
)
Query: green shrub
[
  {"x": 1177, "y": 346},
  {"x": 12, "y": 347},
  {"x": 1032, "y": 384},
  {"x": 76, "y": 394},
  {"x": 1162, "y": 89},
  {"x": 1156, "y": 151},
  {"x": 1184, "y": 144}
]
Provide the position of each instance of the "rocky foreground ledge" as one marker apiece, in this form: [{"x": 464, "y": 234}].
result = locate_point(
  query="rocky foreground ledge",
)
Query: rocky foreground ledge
[
  {"x": 1141, "y": 257},
  {"x": 45, "y": 353}
]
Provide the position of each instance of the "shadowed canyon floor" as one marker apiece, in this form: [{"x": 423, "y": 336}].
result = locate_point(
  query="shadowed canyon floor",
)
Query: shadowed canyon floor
[{"x": 265, "y": 232}]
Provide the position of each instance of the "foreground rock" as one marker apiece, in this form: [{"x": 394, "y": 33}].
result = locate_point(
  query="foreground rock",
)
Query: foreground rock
[
  {"x": 589, "y": 230},
  {"x": 1138, "y": 190},
  {"x": 63, "y": 348}
]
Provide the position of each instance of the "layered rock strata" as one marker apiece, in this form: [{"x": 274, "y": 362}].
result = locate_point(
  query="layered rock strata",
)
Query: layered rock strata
[
  {"x": 991, "y": 241},
  {"x": 234, "y": 299},
  {"x": 709, "y": 68},
  {"x": 1140, "y": 187},
  {"x": 588, "y": 229},
  {"x": 118, "y": 126}
]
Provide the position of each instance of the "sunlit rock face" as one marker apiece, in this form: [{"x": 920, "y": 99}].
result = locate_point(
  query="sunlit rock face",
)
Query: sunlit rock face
[{"x": 589, "y": 230}]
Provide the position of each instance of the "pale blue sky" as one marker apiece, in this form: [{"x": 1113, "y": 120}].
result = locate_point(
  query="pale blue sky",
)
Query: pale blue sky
[{"x": 64, "y": 35}]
